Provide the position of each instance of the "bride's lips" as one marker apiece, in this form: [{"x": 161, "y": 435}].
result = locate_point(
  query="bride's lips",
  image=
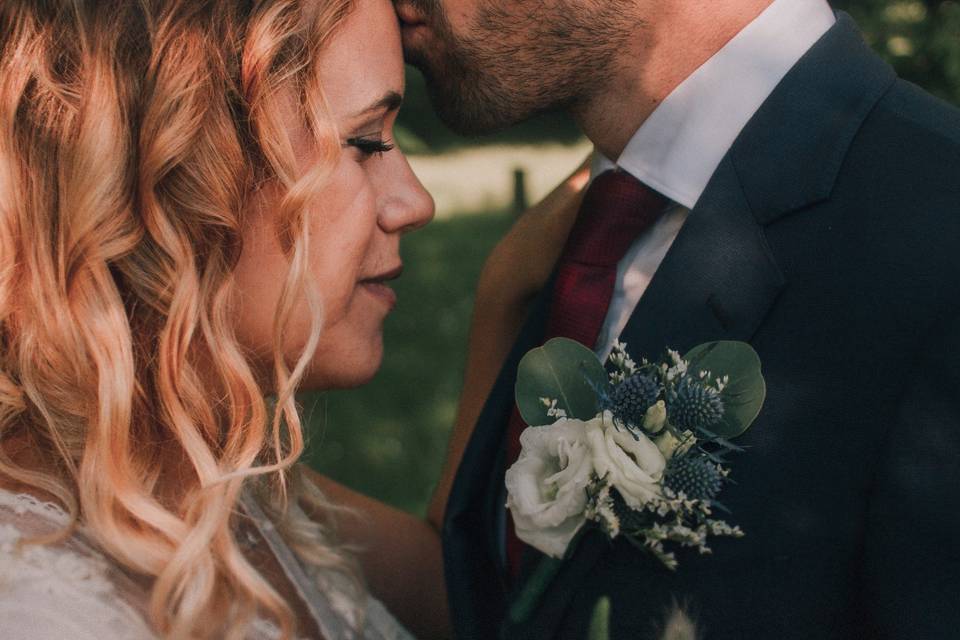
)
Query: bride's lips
[{"x": 378, "y": 287}]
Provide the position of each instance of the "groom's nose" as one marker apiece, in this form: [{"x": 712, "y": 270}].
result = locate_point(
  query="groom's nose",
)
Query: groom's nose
[{"x": 406, "y": 206}]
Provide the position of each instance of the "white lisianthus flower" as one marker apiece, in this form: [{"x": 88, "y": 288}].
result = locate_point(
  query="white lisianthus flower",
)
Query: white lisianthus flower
[
  {"x": 546, "y": 487},
  {"x": 633, "y": 466}
]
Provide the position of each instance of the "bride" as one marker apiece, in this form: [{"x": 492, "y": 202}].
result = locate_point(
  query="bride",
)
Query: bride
[{"x": 200, "y": 208}]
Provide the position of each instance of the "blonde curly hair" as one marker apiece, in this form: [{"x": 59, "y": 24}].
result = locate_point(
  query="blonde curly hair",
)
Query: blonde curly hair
[{"x": 133, "y": 136}]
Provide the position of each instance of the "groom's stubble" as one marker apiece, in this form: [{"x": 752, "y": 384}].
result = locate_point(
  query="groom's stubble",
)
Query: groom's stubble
[{"x": 519, "y": 58}]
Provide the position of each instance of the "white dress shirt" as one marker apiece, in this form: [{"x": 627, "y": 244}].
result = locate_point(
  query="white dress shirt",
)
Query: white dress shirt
[{"x": 681, "y": 144}]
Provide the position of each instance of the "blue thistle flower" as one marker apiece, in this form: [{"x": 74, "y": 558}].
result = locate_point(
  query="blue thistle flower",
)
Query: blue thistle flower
[
  {"x": 692, "y": 405},
  {"x": 695, "y": 476},
  {"x": 632, "y": 397}
]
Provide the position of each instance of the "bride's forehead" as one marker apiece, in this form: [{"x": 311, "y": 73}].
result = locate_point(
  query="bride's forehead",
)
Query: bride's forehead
[
  {"x": 369, "y": 24},
  {"x": 364, "y": 58}
]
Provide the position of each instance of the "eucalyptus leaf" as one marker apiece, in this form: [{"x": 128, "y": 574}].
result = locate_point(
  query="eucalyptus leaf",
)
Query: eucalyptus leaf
[
  {"x": 744, "y": 395},
  {"x": 600, "y": 620},
  {"x": 563, "y": 370}
]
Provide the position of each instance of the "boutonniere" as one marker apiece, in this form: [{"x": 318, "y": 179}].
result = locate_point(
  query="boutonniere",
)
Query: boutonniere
[{"x": 638, "y": 451}]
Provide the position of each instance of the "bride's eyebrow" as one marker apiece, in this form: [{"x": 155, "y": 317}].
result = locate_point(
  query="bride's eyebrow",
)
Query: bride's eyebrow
[{"x": 390, "y": 101}]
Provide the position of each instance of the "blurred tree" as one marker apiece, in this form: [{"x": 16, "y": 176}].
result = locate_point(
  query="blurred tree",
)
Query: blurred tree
[{"x": 920, "y": 38}]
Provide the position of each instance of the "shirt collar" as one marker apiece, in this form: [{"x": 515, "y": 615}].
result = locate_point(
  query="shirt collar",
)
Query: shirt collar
[{"x": 678, "y": 148}]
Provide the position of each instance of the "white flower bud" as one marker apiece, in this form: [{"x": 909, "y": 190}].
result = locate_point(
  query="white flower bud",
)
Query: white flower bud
[
  {"x": 669, "y": 445},
  {"x": 655, "y": 417}
]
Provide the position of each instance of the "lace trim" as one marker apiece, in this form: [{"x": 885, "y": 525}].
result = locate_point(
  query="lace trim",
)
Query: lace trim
[
  {"x": 63, "y": 590},
  {"x": 73, "y": 586},
  {"x": 23, "y": 503}
]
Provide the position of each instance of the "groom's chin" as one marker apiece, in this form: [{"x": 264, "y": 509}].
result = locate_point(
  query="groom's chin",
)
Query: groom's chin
[
  {"x": 467, "y": 115},
  {"x": 468, "y": 103}
]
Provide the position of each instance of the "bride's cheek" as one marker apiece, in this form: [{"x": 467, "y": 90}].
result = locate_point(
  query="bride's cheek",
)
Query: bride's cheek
[{"x": 347, "y": 298}]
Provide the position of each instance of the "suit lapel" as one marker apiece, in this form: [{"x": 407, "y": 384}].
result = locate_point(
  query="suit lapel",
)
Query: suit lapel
[
  {"x": 719, "y": 278},
  {"x": 717, "y": 282},
  {"x": 475, "y": 576}
]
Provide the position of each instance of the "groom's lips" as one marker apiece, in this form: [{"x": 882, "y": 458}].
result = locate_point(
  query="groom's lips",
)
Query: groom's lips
[
  {"x": 409, "y": 16},
  {"x": 412, "y": 23}
]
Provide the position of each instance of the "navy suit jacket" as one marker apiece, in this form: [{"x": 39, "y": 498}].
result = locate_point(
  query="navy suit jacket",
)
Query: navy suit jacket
[{"x": 829, "y": 238}]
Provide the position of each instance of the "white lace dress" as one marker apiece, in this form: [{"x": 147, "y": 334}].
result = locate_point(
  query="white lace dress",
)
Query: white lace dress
[{"x": 71, "y": 591}]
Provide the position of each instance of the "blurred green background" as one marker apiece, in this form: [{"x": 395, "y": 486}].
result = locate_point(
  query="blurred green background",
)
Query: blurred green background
[{"x": 388, "y": 439}]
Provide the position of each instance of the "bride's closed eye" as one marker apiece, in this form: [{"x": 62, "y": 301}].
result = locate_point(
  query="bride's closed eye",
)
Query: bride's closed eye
[{"x": 370, "y": 145}]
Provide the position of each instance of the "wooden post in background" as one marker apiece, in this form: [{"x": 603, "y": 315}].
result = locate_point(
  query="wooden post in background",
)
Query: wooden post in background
[{"x": 519, "y": 191}]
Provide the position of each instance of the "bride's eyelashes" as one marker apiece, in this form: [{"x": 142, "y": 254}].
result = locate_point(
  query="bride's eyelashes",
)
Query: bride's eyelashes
[{"x": 370, "y": 145}]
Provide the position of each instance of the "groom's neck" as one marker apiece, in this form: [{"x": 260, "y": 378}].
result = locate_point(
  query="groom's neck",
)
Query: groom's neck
[{"x": 666, "y": 47}]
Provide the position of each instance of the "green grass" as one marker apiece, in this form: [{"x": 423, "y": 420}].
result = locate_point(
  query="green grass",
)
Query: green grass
[{"x": 388, "y": 439}]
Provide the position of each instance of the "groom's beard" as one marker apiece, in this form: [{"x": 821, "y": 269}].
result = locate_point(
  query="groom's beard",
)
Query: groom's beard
[{"x": 512, "y": 65}]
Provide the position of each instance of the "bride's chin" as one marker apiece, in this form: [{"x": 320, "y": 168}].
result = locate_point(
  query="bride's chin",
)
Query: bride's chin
[{"x": 346, "y": 371}]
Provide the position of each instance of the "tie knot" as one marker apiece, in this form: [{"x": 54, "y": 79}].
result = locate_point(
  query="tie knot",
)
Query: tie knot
[{"x": 616, "y": 209}]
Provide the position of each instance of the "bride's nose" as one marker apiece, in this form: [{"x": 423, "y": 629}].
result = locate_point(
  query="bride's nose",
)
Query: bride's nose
[{"x": 406, "y": 205}]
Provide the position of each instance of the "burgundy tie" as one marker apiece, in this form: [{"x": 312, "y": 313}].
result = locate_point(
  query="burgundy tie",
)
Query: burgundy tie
[{"x": 616, "y": 209}]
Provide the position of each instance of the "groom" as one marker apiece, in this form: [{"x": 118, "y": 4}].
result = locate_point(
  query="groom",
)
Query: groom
[{"x": 787, "y": 190}]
